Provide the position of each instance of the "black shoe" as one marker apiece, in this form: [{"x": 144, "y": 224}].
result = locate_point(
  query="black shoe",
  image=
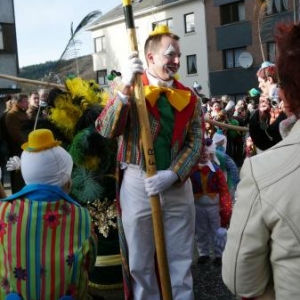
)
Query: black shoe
[
  {"x": 203, "y": 260},
  {"x": 218, "y": 261}
]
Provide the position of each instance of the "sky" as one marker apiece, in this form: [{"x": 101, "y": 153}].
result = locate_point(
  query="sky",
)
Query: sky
[{"x": 44, "y": 26}]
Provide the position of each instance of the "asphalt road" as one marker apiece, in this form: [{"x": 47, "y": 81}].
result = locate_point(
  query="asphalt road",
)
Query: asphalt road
[{"x": 208, "y": 285}]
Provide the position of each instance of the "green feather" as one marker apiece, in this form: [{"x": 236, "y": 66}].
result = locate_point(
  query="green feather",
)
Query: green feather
[
  {"x": 85, "y": 187},
  {"x": 78, "y": 147}
]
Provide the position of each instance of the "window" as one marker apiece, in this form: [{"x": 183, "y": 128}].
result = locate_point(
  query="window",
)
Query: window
[
  {"x": 191, "y": 61},
  {"x": 7, "y": 38},
  {"x": 1, "y": 38},
  {"x": 271, "y": 47},
  {"x": 233, "y": 12},
  {"x": 231, "y": 57},
  {"x": 168, "y": 22},
  {"x": 276, "y": 6},
  {"x": 189, "y": 23},
  {"x": 101, "y": 75},
  {"x": 100, "y": 44}
]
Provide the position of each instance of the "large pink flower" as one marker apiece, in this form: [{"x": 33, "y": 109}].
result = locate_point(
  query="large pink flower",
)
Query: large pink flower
[{"x": 52, "y": 219}]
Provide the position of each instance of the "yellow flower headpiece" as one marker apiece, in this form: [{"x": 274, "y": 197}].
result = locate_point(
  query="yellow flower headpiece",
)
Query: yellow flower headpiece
[{"x": 160, "y": 29}]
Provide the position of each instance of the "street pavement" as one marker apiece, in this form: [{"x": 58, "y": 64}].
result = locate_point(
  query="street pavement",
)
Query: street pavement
[{"x": 208, "y": 285}]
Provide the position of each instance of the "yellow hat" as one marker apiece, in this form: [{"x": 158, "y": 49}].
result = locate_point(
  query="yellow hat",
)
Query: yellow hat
[
  {"x": 39, "y": 140},
  {"x": 160, "y": 29}
]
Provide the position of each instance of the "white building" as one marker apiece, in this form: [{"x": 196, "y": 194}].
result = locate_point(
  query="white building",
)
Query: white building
[{"x": 186, "y": 18}]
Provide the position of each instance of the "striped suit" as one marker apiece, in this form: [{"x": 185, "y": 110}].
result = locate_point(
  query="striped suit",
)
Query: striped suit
[
  {"x": 47, "y": 245},
  {"x": 119, "y": 120}
]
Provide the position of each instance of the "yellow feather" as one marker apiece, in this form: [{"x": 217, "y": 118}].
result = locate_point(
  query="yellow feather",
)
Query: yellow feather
[{"x": 70, "y": 105}]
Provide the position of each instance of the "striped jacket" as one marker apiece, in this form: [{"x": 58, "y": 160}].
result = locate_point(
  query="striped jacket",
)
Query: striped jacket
[
  {"x": 121, "y": 120},
  {"x": 47, "y": 245}
]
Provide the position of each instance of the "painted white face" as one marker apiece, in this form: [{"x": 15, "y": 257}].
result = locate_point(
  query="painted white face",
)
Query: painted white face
[{"x": 165, "y": 62}]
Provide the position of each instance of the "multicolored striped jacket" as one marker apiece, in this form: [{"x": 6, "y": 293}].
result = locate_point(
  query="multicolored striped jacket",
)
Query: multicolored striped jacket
[
  {"x": 121, "y": 120},
  {"x": 47, "y": 245}
]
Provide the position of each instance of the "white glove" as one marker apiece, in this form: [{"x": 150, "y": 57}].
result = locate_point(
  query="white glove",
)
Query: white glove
[
  {"x": 134, "y": 66},
  {"x": 14, "y": 163},
  {"x": 160, "y": 182},
  {"x": 221, "y": 237}
]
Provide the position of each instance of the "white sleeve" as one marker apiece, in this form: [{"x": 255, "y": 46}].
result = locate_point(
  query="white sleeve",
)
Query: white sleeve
[{"x": 246, "y": 268}]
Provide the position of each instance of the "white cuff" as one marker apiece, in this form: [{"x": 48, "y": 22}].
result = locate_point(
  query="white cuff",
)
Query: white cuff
[{"x": 122, "y": 97}]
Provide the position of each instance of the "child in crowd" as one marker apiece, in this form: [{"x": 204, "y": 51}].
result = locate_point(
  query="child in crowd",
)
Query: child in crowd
[
  {"x": 250, "y": 149},
  {"x": 213, "y": 205},
  {"x": 227, "y": 164}
]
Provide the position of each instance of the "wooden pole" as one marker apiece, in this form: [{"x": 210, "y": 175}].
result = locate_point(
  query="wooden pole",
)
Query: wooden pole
[
  {"x": 33, "y": 82},
  {"x": 225, "y": 125},
  {"x": 158, "y": 228}
]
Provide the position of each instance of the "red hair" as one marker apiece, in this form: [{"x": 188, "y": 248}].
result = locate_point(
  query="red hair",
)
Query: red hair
[
  {"x": 288, "y": 63},
  {"x": 266, "y": 72}
]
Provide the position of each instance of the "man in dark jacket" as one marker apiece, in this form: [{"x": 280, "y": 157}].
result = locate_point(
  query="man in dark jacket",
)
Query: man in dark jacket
[{"x": 14, "y": 121}]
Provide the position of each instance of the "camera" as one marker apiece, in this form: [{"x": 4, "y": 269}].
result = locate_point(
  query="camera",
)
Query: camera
[{"x": 274, "y": 101}]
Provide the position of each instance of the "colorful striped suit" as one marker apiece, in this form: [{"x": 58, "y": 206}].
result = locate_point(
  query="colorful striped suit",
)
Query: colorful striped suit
[
  {"x": 47, "y": 245},
  {"x": 186, "y": 139}
]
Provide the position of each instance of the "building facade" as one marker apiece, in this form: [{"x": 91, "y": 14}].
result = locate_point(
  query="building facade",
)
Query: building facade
[
  {"x": 240, "y": 37},
  {"x": 223, "y": 42},
  {"x": 186, "y": 18},
  {"x": 8, "y": 47}
]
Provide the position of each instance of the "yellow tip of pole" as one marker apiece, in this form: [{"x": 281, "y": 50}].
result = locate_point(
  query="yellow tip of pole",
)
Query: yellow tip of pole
[{"x": 126, "y": 2}]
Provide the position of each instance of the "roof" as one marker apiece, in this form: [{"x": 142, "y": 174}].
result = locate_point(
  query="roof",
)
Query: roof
[{"x": 137, "y": 6}]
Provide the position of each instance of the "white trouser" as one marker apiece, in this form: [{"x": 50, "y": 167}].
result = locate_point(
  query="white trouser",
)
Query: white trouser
[
  {"x": 178, "y": 213},
  {"x": 207, "y": 223}
]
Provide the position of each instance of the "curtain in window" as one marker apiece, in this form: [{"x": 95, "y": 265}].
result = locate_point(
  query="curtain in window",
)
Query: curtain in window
[
  {"x": 285, "y": 4},
  {"x": 278, "y": 5},
  {"x": 192, "y": 64},
  {"x": 1, "y": 38},
  {"x": 229, "y": 59}
]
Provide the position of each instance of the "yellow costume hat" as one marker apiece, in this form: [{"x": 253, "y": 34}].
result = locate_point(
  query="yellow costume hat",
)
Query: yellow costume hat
[
  {"x": 160, "y": 29},
  {"x": 39, "y": 140}
]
